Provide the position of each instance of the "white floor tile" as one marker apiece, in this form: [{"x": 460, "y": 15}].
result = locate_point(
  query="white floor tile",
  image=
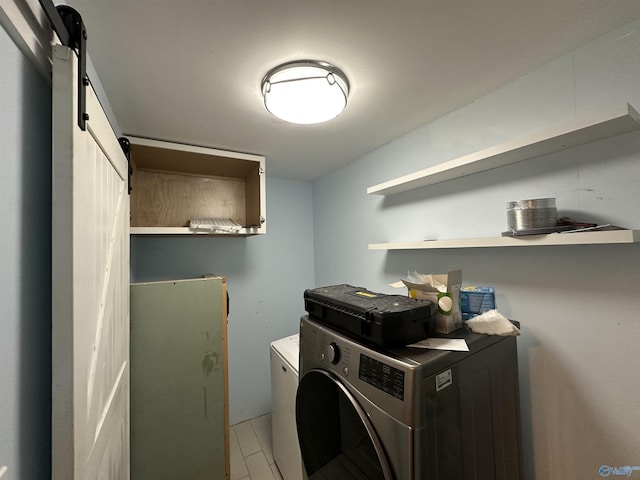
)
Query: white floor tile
[
  {"x": 276, "y": 472},
  {"x": 258, "y": 466},
  {"x": 251, "y": 450},
  {"x": 262, "y": 428},
  {"x": 238, "y": 467},
  {"x": 247, "y": 438}
]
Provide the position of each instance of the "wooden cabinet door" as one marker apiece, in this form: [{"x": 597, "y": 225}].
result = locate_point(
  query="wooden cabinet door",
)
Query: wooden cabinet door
[{"x": 179, "y": 414}]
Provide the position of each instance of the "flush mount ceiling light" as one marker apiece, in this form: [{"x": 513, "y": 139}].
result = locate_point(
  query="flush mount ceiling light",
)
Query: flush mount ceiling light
[{"x": 305, "y": 91}]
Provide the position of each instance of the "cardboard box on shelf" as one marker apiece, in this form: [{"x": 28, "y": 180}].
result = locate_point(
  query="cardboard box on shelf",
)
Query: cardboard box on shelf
[{"x": 444, "y": 291}]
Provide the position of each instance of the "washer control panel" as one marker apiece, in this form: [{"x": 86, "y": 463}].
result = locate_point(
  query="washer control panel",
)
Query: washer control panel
[
  {"x": 323, "y": 347},
  {"x": 382, "y": 376}
]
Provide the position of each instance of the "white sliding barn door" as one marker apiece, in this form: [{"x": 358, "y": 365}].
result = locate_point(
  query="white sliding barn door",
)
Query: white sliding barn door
[{"x": 90, "y": 404}]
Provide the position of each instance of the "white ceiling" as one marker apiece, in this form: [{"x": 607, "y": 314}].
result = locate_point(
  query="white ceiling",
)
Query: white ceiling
[{"x": 190, "y": 71}]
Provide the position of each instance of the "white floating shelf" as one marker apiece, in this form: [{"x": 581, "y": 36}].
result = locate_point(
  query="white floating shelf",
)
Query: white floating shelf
[
  {"x": 590, "y": 128},
  {"x": 578, "y": 238}
]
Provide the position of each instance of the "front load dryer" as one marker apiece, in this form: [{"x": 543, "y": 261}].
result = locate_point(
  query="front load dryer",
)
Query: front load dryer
[
  {"x": 284, "y": 383},
  {"x": 407, "y": 414}
]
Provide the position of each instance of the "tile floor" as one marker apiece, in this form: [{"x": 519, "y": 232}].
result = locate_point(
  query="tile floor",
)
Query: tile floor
[{"x": 251, "y": 452}]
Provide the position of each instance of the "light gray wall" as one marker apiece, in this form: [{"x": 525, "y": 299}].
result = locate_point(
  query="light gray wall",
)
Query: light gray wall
[
  {"x": 25, "y": 267},
  {"x": 266, "y": 276},
  {"x": 579, "y": 306}
]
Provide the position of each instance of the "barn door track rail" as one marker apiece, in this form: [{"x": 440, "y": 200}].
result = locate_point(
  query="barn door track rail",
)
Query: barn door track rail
[{"x": 68, "y": 24}]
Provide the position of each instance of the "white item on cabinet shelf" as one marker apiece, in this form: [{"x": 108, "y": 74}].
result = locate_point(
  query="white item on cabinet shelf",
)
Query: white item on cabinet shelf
[
  {"x": 607, "y": 123},
  {"x": 578, "y": 238},
  {"x": 209, "y": 225}
]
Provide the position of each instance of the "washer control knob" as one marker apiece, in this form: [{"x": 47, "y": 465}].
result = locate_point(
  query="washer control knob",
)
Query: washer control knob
[{"x": 333, "y": 353}]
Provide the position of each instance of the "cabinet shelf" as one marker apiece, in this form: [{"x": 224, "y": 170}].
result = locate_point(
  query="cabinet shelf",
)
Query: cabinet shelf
[
  {"x": 607, "y": 123},
  {"x": 243, "y": 232},
  {"x": 577, "y": 238}
]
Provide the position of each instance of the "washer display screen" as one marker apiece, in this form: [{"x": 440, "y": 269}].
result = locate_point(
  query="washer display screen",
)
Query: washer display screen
[{"x": 382, "y": 376}]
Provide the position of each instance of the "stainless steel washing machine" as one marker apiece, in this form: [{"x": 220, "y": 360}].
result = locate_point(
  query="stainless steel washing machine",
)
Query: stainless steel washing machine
[{"x": 406, "y": 413}]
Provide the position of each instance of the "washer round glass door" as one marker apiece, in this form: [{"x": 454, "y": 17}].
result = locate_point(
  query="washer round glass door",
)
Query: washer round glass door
[{"x": 336, "y": 437}]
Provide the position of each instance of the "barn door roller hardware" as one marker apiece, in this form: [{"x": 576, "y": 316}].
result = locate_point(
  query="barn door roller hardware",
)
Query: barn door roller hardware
[
  {"x": 125, "y": 144},
  {"x": 67, "y": 23}
]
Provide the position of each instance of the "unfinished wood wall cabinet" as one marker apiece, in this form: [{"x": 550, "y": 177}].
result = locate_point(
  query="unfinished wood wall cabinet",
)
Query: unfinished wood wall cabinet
[{"x": 172, "y": 184}]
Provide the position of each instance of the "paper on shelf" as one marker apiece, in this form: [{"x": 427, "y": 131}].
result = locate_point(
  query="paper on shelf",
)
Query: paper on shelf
[{"x": 455, "y": 344}]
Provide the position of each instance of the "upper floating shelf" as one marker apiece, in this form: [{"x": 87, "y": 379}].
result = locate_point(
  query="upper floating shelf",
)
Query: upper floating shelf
[{"x": 589, "y": 128}]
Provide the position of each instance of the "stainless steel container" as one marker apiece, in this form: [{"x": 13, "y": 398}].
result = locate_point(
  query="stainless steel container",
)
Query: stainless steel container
[{"x": 532, "y": 214}]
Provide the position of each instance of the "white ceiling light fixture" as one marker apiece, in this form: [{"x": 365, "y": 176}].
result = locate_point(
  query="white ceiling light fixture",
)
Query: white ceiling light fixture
[{"x": 305, "y": 91}]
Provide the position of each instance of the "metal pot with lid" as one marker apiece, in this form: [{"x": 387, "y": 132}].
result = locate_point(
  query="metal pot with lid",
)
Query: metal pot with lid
[{"x": 532, "y": 214}]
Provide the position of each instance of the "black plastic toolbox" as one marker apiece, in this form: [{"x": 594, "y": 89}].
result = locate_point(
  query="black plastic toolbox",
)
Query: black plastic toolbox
[{"x": 374, "y": 318}]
